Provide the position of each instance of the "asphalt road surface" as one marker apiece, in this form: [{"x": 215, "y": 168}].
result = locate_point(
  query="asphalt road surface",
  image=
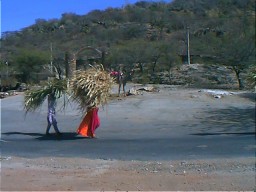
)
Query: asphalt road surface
[{"x": 172, "y": 124}]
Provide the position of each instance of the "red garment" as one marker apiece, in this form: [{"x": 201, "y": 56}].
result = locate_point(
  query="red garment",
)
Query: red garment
[
  {"x": 90, "y": 123},
  {"x": 114, "y": 73}
]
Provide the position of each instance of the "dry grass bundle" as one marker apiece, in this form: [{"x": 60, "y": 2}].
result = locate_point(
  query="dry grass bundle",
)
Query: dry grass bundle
[
  {"x": 91, "y": 88},
  {"x": 35, "y": 98}
]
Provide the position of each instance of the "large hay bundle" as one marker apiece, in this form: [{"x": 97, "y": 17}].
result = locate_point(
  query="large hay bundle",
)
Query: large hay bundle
[
  {"x": 35, "y": 98},
  {"x": 91, "y": 88}
]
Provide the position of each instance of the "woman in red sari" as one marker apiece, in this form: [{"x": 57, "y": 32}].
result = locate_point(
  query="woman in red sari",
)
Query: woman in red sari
[{"x": 90, "y": 123}]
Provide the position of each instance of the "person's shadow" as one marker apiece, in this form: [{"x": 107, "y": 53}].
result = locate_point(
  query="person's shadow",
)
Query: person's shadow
[{"x": 52, "y": 136}]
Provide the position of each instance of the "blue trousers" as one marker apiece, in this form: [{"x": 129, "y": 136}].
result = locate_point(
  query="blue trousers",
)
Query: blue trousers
[{"x": 52, "y": 122}]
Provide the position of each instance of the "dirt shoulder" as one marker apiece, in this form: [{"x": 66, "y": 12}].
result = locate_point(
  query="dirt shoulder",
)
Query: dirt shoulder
[{"x": 76, "y": 174}]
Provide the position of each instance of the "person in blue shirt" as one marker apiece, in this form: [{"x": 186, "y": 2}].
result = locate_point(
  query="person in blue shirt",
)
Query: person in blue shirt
[{"x": 51, "y": 119}]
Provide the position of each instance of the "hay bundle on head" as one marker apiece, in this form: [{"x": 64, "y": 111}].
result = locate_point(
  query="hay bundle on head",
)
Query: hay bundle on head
[
  {"x": 91, "y": 88},
  {"x": 35, "y": 98}
]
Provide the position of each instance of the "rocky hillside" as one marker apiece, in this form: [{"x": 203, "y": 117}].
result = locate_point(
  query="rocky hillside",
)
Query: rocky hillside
[{"x": 197, "y": 75}]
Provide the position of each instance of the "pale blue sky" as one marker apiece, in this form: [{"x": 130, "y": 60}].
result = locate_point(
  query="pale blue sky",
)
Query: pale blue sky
[{"x": 17, "y": 14}]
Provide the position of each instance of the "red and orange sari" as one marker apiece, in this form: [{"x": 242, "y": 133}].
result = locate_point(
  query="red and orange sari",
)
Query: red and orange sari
[{"x": 89, "y": 124}]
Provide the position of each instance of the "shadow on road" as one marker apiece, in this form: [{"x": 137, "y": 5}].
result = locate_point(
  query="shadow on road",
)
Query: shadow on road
[
  {"x": 250, "y": 96},
  {"x": 229, "y": 121},
  {"x": 39, "y": 136}
]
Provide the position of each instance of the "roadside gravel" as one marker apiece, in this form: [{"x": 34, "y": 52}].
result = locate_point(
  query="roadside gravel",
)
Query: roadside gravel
[{"x": 65, "y": 174}]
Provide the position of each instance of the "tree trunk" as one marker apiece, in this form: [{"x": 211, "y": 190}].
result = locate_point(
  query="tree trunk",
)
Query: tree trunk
[
  {"x": 141, "y": 67},
  {"x": 154, "y": 64},
  {"x": 238, "y": 77},
  {"x": 154, "y": 67}
]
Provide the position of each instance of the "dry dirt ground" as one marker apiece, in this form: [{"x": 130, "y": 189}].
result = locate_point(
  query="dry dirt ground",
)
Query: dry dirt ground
[
  {"x": 76, "y": 174},
  {"x": 81, "y": 174}
]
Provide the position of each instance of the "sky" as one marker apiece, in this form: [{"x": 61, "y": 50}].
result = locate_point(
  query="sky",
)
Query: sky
[{"x": 18, "y": 14}]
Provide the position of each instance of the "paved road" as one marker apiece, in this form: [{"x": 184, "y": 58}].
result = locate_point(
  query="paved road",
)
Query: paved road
[{"x": 168, "y": 125}]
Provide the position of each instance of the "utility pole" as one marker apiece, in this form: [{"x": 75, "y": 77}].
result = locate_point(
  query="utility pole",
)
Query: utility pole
[
  {"x": 188, "y": 52},
  {"x": 51, "y": 59},
  {"x": 7, "y": 69}
]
